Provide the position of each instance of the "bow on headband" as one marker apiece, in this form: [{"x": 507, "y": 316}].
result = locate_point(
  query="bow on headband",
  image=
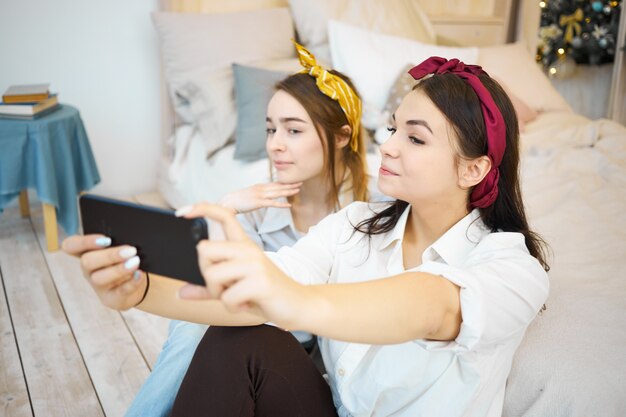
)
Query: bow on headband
[
  {"x": 486, "y": 192},
  {"x": 337, "y": 89}
]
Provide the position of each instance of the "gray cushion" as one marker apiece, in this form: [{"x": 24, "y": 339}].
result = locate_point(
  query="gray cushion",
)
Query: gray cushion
[{"x": 254, "y": 88}]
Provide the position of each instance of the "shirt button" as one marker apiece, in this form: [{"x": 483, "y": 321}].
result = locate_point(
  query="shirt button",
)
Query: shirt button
[{"x": 341, "y": 372}]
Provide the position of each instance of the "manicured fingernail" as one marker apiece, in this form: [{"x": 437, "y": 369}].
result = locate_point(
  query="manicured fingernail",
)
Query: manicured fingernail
[
  {"x": 132, "y": 262},
  {"x": 183, "y": 210},
  {"x": 128, "y": 251},
  {"x": 136, "y": 275},
  {"x": 103, "y": 241}
]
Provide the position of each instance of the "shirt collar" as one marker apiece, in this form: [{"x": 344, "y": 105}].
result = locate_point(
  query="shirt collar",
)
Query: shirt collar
[
  {"x": 454, "y": 245},
  {"x": 275, "y": 219}
]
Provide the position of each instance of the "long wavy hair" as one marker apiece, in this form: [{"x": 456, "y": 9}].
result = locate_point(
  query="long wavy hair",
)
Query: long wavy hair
[
  {"x": 328, "y": 119},
  {"x": 460, "y": 105}
]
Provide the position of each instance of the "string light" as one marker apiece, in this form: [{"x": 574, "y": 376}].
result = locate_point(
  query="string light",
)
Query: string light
[
  {"x": 542, "y": 4},
  {"x": 561, "y": 51},
  {"x": 552, "y": 70}
]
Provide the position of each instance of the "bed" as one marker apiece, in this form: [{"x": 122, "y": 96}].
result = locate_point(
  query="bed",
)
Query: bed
[{"x": 572, "y": 362}]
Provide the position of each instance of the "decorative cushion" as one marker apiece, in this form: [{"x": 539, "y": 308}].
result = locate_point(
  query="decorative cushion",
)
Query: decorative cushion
[
  {"x": 401, "y": 87},
  {"x": 205, "y": 99},
  {"x": 394, "y": 17},
  {"x": 525, "y": 114},
  {"x": 197, "y": 63},
  {"x": 254, "y": 87},
  {"x": 516, "y": 68},
  {"x": 374, "y": 60}
]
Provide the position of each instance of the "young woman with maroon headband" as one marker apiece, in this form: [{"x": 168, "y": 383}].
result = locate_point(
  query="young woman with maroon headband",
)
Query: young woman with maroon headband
[{"x": 419, "y": 303}]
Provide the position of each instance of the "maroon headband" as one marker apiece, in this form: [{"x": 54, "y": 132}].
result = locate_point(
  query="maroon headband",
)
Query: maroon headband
[{"x": 485, "y": 193}]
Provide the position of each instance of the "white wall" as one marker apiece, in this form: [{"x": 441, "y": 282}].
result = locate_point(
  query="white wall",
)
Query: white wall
[{"x": 101, "y": 57}]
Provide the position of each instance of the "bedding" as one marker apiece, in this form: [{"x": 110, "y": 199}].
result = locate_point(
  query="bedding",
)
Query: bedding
[{"x": 572, "y": 362}]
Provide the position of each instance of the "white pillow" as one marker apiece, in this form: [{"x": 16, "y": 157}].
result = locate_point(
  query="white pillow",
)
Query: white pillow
[
  {"x": 198, "y": 51},
  {"x": 394, "y": 17},
  {"x": 512, "y": 64},
  {"x": 373, "y": 62}
]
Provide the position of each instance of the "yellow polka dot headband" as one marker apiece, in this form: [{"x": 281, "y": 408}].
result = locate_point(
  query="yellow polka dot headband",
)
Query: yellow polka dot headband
[{"x": 337, "y": 89}]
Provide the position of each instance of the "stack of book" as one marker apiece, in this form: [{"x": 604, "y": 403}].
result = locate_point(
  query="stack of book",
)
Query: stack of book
[{"x": 28, "y": 101}]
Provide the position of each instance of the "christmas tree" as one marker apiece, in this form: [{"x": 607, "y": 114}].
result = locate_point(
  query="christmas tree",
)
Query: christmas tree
[{"x": 584, "y": 30}]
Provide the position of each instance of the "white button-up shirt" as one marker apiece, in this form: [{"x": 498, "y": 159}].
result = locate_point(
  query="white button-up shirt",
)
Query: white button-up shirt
[
  {"x": 502, "y": 289},
  {"x": 270, "y": 227}
]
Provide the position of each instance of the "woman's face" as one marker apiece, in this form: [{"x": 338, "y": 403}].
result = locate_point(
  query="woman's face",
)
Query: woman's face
[
  {"x": 293, "y": 145},
  {"x": 418, "y": 161}
]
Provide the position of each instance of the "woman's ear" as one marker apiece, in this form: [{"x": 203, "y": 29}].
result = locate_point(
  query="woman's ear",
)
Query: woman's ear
[
  {"x": 472, "y": 171},
  {"x": 342, "y": 139}
]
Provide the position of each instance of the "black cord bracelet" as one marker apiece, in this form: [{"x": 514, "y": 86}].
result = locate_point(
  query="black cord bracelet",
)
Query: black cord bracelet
[{"x": 146, "y": 290}]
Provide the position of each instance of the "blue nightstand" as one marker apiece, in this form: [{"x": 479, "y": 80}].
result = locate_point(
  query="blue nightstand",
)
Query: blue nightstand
[{"x": 51, "y": 154}]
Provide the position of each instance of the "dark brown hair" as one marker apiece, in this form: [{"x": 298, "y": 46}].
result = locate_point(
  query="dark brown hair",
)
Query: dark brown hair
[
  {"x": 460, "y": 105},
  {"x": 328, "y": 119}
]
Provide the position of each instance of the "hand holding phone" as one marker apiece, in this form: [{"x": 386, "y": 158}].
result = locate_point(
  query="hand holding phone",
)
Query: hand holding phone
[{"x": 166, "y": 244}]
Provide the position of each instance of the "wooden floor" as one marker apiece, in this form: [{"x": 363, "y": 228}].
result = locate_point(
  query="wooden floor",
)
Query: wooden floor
[{"x": 61, "y": 352}]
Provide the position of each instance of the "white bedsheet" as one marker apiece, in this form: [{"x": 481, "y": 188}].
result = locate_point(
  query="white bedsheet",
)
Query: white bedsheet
[{"x": 572, "y": 362}]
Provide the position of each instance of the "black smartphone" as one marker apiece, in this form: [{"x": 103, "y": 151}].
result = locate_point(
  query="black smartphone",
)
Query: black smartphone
[{"x": 166, "y": 244}]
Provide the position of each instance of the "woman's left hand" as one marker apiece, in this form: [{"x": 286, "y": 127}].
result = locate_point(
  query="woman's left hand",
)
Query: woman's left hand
[{"x": 237, "y": 272}]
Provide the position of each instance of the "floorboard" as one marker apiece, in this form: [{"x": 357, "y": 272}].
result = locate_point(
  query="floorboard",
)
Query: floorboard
[
  {"x": 55, "y": 372},
  {"x": 62, "y": 353},
  {"x": 115, "y": 363},
  {"x": 14, "y": 400}
]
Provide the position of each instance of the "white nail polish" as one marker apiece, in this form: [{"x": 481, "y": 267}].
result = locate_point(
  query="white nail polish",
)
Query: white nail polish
[
  {"x": 103, "y": 241},
  {"x": 183, "y": 210},
  {"x": 136, "y": 275},
  {"x": 132, "y": 262},
  {"x": 128, "y": 251}
]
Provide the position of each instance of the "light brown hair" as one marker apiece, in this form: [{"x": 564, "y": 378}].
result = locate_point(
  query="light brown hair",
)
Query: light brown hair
[{"x": 328, "y": 119}]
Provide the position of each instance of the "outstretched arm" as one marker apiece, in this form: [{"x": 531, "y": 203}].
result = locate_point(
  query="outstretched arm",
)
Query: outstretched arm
[
  {"x": 396, "y": 309},
  {"x": 119, "y": 284}
]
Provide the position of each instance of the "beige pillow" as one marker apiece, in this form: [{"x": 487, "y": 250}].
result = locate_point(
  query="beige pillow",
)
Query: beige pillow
[
  {"x": 525, "y": 114},
  {"x": 516, "y": 68},
  {"x": 403, "y": 18},
  {"x": 197, "y": 52}
]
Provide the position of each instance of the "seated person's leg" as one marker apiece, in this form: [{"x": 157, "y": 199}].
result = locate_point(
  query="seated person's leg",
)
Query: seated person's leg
[
  {"x": 156, "y": 396},
  {"x": 259, "y": 371}
]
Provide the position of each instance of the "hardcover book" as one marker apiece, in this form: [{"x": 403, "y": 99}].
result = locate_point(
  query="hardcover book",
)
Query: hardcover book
[
  {"x": 26, "y": 93},
  {"x": 28, "y": 110}
]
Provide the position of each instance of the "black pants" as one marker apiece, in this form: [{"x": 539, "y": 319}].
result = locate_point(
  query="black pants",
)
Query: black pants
[{"x": 252, "y": 371}]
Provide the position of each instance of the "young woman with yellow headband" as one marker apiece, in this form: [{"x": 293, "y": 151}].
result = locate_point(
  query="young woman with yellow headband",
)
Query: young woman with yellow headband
[
  {"x": 314, "y": 144},
  {"x": 420, "y": 303}
]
